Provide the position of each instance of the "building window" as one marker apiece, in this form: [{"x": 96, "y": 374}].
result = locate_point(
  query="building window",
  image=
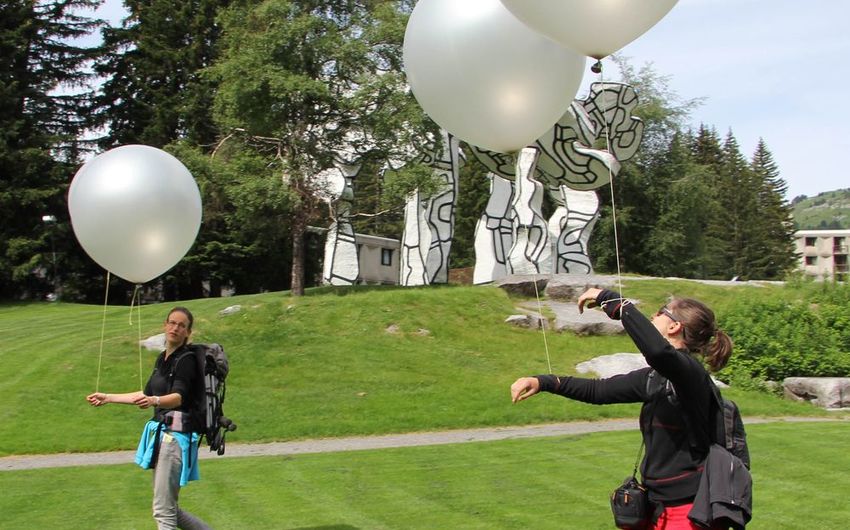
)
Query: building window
[
  {"x": 839, "y": 246},
  {"x": 386, "y": 256},
  {"x": 811, "y": 260},
  {"x": 811, "y": 241}
]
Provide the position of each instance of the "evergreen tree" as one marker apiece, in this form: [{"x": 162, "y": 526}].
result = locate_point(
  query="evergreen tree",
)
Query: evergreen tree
[
  {"x": 738, "y": 194},
  {"x": 707, "y": 153},
  {"x": 706, "y": 148},
  {"x": 776, "y": 250},
  {"x": 473, "y": 194},
  {"x": 677, "y": 242},
  {"x": 154, "y": 93},
  {"x": 42, "y": 115}
]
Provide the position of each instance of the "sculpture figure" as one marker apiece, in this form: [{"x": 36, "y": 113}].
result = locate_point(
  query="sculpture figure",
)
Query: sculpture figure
[{"x": 569, "y": 168}]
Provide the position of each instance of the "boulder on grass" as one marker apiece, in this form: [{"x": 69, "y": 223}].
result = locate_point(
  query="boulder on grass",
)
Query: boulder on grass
[{"x": 824, "y": 392}]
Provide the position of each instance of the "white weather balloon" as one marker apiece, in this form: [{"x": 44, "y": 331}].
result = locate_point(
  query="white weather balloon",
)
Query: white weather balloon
[
  {"x": 595, "y": 28},
  {"x": 136, "y": 211},
  {"x": 484, "y": 76}
]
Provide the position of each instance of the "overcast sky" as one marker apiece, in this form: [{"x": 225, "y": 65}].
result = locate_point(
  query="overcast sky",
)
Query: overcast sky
[{"x": 775, "y": 69}]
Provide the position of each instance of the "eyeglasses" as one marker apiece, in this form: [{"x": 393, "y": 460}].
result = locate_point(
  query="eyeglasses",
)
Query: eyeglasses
[
  {"x": 665, "y": 311},
  {"x": 175, "y": 324}
]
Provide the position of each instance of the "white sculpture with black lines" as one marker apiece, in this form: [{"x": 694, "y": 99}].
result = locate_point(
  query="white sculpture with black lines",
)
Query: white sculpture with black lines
[
  {"x": 511, "y": 236},
  {"x": 341, "y": 263},
  {"x": 569, "y": 168},
  {"x": 429, "y": 221},
  {"x": 494, "y": 232}
]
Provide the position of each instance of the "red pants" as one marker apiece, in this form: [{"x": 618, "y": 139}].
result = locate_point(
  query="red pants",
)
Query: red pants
[{"x": 676, "y": 518}]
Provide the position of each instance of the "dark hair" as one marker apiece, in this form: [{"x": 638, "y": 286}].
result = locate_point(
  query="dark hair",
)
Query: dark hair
[
  {"x": 700, "y": 333},
  {"x": 180, "y": 309}
]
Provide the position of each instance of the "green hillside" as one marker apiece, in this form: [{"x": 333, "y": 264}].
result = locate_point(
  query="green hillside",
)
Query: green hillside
[
  {"x": 829, "y": 210},
  {"x": 334, "y": 363}
]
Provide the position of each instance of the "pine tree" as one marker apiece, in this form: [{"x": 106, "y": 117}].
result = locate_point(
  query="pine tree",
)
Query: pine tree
[
  {"x": 706, "y": 148},
  {"x": 775, "y": 223},
  {"x": 738, "y": 196},
  {"x": 155, "y": 92},
  {"x": 707, "y": 153},
  {"x": 42, "y": 115},
  {"x": 677, "y": 241}
]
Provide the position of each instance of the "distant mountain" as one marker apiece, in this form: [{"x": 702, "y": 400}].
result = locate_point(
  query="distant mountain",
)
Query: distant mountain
[{"x": 826, "y": 211}]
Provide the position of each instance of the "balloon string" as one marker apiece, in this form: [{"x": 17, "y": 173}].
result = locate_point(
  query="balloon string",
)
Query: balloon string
[
  {"x": 102, "y": 332},
  {"x": 611, "y": 183},
  {"x": 542, "y": 324},
  {"x": 137, "y": 296}
]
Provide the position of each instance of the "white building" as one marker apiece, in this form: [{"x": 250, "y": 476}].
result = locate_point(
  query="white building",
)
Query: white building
[
  {"x": 823, "y": 253},
  {"x": 378, "y": 257}
]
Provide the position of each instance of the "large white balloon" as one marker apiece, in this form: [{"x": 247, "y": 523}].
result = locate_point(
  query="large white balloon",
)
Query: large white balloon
[
  {"x": 595, "y": 28},
  {"x": 484, "y": 76},
  {"x": 136, "y": 211}
]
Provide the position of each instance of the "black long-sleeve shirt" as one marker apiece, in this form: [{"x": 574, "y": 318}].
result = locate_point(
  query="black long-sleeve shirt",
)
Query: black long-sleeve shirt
[{"x": 672, "y": 465}]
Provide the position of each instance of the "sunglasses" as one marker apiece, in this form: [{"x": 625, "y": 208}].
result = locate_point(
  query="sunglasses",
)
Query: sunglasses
[{"x": 665, "y": 311}]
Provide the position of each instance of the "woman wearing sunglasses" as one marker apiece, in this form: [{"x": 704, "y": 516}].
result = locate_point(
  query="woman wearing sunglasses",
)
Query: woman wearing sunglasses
[{"x": 681, "y": 344}]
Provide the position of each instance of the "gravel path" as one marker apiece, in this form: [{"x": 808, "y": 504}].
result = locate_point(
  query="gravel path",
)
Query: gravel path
[{"x": 359, "y": 443}]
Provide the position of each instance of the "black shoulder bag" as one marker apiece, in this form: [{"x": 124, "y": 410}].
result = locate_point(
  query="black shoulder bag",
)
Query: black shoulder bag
[{"x": 630, "y": 501}]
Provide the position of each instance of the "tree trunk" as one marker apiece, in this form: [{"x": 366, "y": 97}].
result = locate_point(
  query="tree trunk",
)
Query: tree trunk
[{"x": 299, "y": 226}]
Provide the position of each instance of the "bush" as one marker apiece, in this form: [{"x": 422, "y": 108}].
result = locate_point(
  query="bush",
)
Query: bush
[{"x": 778, "y": 339}]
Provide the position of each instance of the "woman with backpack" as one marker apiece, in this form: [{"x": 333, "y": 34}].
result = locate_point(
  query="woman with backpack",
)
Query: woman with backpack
[
  {"x": 676, "y": 419},
  {"x": 169, "y": 442}
]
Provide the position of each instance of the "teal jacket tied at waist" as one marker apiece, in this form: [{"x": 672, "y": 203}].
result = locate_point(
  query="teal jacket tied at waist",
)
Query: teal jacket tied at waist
[{"x": 145, "y": 451}]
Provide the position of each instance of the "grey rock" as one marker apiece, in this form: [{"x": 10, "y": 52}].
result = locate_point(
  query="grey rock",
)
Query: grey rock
[
  {"x": 591, "y": 322},
  {"x": 825, "y": 392},
  {"x": 154, "y": 343},
  {"x": 529, "y": 320},
  {"x": 611, "y": 365},
  {"x": 230, "y": 310},
  {"x": 620, "y": 363},
  {"x": 568, "y": 287},
  {"x": 523, "y": 284}
]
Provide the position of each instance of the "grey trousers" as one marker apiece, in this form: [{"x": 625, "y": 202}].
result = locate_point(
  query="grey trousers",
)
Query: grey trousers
[{"x": 166, "y": 489}]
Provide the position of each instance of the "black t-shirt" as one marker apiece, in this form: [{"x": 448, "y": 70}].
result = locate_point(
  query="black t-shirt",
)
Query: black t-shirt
[{"x": 178, "y": 374}]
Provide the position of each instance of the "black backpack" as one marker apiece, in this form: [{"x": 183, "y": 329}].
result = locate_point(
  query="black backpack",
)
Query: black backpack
[
  {"x": 207, "y": 412},
  {"x": 729, "y": 427}
]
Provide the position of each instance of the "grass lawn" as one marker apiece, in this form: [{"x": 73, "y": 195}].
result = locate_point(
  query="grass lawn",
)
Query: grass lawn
[
  {"x": 329, "y": 364},
  {"x": 322, "y": 365},
  {"x": 546, "y": 483}
]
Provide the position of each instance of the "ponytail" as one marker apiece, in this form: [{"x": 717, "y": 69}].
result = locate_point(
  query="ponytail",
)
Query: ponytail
[{"x": 718, "y": 351}]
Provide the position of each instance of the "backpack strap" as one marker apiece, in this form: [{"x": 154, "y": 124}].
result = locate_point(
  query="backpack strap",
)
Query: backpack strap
[{"x": 721, "y": 426}]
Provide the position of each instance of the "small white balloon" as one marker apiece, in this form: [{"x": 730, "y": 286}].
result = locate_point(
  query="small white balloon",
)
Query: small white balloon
[
  {"x": 484, "y": 76},
  {"x": 136, "y": 210},
  {"x": 596, "y": 28}
]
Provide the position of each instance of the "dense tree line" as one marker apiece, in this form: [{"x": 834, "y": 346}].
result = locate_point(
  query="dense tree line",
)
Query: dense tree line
[{"x": 256, "y": 98}]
